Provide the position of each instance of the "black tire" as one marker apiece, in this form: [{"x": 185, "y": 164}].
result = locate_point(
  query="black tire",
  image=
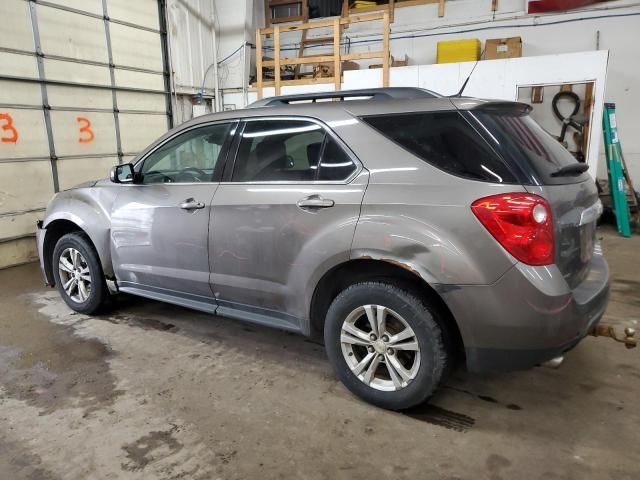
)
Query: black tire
[
  {"x": 417, "y": 314},
  {"x": 99, "y": 293}
]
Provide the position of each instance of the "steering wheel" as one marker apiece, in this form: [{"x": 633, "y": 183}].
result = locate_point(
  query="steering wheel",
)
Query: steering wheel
[{"x": 195, "y": 173}]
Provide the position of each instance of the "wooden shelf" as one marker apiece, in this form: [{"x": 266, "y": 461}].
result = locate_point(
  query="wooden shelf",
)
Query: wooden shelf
[
  {"x": 336, "y": 58},
  {"x": 393, "y": 4},
  {"x": 270, "y": 20}
]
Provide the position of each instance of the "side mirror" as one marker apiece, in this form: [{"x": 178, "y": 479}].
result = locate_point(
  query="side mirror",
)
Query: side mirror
[{"x": 122, "y": 173}]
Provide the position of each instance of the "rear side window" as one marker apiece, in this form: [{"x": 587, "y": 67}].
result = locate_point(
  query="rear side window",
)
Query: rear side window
[
  {"x": 278, "y": 150},
  {"x": 523, "y": 142},
  {"x": 289, "y": 151},
  {"x": 445, "y": 140}
]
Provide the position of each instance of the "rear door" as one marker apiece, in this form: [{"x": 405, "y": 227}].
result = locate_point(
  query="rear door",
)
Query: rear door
[
  {"x": 288, "y": 204},
  {"x": 573, "y": 197}
]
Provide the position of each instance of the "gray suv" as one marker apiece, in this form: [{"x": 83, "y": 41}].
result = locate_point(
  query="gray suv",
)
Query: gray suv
[{"x": 406, "y": 230}]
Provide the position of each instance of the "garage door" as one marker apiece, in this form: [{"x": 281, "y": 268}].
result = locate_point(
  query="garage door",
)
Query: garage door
[{"x": 82, "y": 87}]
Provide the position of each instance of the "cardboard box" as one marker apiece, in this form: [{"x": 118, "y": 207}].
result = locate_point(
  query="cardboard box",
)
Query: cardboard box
[
  {"x": 325, "y": 70},
  {"x": 393, "y": 63},
  {"x": 503, "y": 48},
  {"x": 399, "y": 62},
  {"x": 349, "y": 65}
]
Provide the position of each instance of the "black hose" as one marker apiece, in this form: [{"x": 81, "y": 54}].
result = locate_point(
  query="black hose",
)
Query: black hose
[{"x": 566, "y": 121}]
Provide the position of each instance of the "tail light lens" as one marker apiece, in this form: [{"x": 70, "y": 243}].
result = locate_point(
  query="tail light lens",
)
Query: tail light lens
[{"x": 521, "y": 223}]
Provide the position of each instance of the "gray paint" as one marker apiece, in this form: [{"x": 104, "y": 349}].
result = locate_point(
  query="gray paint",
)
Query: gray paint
[{"x": 251, "y": 253}]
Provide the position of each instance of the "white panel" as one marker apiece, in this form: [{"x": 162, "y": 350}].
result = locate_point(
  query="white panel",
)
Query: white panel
[
  {"x": 404, "y": 76},
  {"x": 128, "y": 78},
  {"x": 151, "y": 102},
  {"x": 191, "y": 41},
  {"x": 18, "y": 251},
  {"x": 18, "y": 65},
  {"x": 76, "y": 72},
  {"x": 72, "y": 35},
  {"x": 500, "y": 79},
  {"x": 28, "y": 130},
  {"x": 136, "y": 48},
  {"x": 22, "y": 93},
  {"x": 138, "y": 131},
  {"x": 13, "y": 226},
  {"x": 98, "y": 138},
  {"x": 140, "y": 12},
  {"x": 446, "y": 81},
  {"x": 79, "y": 97},
  {"x": 73, "y": 171},
  {"x": 91, "y": 6},
  {"x": 16, "y": 25},
  {"x": 24, "y": 185}
]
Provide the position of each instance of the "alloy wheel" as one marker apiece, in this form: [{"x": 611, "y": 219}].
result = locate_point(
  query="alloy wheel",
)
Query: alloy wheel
[
  {"x": 380, "y": 347},
  {"x": 74, "y": 275}
]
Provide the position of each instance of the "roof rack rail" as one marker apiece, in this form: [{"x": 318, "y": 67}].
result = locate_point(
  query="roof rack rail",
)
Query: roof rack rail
[{"x": 370, "y": 94}]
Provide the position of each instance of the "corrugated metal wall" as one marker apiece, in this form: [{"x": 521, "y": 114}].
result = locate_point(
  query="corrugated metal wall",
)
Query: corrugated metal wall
[
  {"x": 191, "y": 27},
  {"x": 82, "y": 87}
]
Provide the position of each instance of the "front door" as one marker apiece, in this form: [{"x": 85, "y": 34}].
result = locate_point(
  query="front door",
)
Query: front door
[
  {"x": 159, "y": 225},
  {"x": 289, "y": 205}
]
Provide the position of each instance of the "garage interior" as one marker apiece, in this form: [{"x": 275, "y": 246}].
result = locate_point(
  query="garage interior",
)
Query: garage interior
[{"x": 150, "y": 390}]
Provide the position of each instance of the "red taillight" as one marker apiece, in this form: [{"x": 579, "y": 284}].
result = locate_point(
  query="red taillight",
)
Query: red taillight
[{"x": 521, "y": 223}]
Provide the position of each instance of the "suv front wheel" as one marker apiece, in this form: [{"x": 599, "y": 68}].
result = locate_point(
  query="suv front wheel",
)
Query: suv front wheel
[
  {"x": 78, "y": 274},
  {"x": 384, "y": 345}
]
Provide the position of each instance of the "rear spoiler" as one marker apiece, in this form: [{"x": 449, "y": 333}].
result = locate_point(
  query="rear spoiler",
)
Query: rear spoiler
[{"x": 504, "y": 106}]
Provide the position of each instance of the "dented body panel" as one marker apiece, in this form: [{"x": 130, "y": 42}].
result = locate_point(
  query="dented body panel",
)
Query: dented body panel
[
  {"x": 88, "y": 207},
  {"x": 252, "y": 253}
]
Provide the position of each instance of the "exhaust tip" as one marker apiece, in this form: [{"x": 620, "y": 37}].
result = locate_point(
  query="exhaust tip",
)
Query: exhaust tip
[{"x": 554, "y": 362}]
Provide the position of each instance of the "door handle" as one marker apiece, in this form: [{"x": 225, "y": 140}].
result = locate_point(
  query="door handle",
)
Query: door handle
[
  {"x": 315, "y": 201},
  {"x": 191, "y": 204}
]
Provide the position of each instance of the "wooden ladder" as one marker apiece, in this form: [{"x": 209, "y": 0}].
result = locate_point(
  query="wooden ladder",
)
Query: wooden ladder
[{"x": 305, "y": 42}]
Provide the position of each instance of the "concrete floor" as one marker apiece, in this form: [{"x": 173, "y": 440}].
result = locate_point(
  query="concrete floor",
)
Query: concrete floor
[{"x": 156, "y": 391}]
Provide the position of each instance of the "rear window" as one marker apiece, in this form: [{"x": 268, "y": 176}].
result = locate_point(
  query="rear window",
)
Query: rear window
[
  {"x": 527, "y": 146},
  {"x": 445, "y": 140}
]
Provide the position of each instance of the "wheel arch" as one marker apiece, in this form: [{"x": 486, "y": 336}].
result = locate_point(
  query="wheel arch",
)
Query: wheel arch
[
  {"x": 359, "y": 270},
  {"x": 55, "y": 229}
]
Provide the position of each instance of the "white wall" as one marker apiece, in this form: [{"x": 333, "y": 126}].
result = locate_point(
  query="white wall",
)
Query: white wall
[
  {"x": 501, "y": 80},
  {"x": 191, "y": 24},
  {"x": 541, "y": 35}
]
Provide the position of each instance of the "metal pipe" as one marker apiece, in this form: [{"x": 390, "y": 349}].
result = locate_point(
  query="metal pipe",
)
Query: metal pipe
[
  {"x": 554, "y": 362},
  {"x": 216, "y": 84},
  {"x": 173, "y": 93},
  {"x": 166, "y": 65},
  {"x": 245, "y": 80}
]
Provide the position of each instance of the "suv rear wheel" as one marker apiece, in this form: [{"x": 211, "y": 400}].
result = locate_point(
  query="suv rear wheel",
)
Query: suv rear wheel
[
  {"x": 78, "y": 274},
  {"x": 385, "y": 345}
]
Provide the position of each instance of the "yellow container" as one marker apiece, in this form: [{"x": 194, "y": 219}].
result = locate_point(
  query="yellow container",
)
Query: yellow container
[
  {"x": 459, "y": 51},
  {"x": 363, "y": 4}
]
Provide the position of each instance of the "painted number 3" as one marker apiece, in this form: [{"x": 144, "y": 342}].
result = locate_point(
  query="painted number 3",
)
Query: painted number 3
[
  {"x": 86, "y": 134},
  {"x": 9, "y": 133}
]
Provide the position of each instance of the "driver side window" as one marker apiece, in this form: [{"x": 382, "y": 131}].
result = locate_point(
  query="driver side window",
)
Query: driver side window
[{"x": 190, "y": 157}]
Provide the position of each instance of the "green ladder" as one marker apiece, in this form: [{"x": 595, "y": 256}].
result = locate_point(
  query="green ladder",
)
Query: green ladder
[{"x": 615, "y": 169}]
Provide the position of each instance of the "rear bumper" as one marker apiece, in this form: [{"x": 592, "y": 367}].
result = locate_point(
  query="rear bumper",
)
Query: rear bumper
[{"x": 527, "y": 317}]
